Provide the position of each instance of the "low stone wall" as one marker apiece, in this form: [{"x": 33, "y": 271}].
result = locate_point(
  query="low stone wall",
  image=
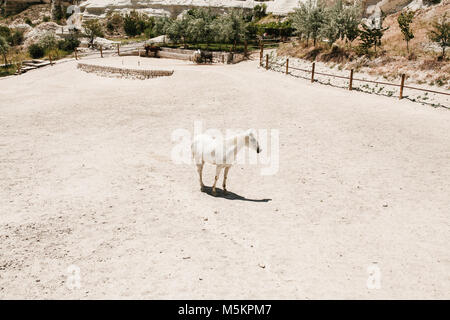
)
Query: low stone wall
[
  {"x": 185, "y": 54},
  {"x": 123, "y": 72}
]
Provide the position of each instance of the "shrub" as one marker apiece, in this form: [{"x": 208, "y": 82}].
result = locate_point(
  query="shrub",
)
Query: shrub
[
  {"x": 36, "y": 51},
  {"x": 46, "y": 19},
  {"x": 16, "y": 38},
  {"x": 114, "y": 22},
  {"x": 49, "y": 42},
  {"x": 28, "y": 22},
  {"x": 440, "y": 33},
  {"x": 93, "y": 29},
  {"x": 5, "y": 32},
  {"x": 58, "y": 13},
  {"x": 4, "y": 48},
  {"x": 69, "y": 44}
]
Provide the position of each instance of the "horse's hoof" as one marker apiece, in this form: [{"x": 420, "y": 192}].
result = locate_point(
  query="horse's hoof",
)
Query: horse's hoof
[
  {"x": 214, "y": 193},
  {"x": 225, "y": 191},
  {"x": 202, "y": 189}
]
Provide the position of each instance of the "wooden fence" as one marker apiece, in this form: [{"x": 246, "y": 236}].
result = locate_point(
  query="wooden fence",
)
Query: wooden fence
[{"x": 350, "y": 78}]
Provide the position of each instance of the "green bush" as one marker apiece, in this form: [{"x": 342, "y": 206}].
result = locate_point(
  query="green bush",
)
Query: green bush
[
  {"x": 69, "y": 44},
  {"x": 46, "y": 19},
  {"x": 135, "y": 24},
  {"x": 5, "y": 32},
  {"x": 28, "y": 22},
  {"x": 36, "y": 51},
  {"x": 16, "y": 38}
]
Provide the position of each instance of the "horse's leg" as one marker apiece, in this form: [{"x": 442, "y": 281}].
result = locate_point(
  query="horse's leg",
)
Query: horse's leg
[
  {"x": 225, "y": 174},
  {"x": 218, "y": 169},
  {"x": 200, "y": 170}
]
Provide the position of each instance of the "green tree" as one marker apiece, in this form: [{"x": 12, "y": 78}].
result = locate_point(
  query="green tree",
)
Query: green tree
[
  {"x": 177, "y": 30},
  {"x": 309, "y": 19},
  {"x": 231, "y": 27},
  {"x": 404, "y": 22},
  {"x": 300, "y": 20},
  {"x": 441, "y": 33},
  {"x": 351, "y": 19},
  {"x": 259, "y": 11},
  {"x": 200, "y": 25},
  {"x": 4, "y": 48},
  {"x": 92, "y": 29},
  {"x": 371, "y": 35},
  {"x": 161, "y": 25}
]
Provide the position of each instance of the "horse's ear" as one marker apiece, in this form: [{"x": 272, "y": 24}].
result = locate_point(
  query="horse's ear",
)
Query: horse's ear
[{"x": 251, "y": 132}]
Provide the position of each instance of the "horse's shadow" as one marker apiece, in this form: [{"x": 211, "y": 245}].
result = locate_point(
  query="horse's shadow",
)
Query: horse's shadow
[{"x": 230, "y": 195}]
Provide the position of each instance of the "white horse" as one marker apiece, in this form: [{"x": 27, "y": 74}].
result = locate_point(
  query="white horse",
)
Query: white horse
[{"x": 220, "y": 152}]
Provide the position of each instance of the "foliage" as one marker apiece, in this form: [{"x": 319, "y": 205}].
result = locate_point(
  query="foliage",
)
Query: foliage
[
  {"x": 49, "y": 42},
  {"x": 440, "y": 33},
  {"x": 309, "y": 19},
  {"x": 36, "y": 51},
  {"x": 4, "y": 48},
  {"x": 69, "y": 44},
  {"x": 177, "y": 30},
  {"x": 58, "y": 12},
  {"x": 200, "y": 26},
  {"x": 16, "y": 38},
  {"x": 404, "y": 22},
  {"x": 259, "y": 11},
  {"x": 114, "y": 22},
  {"x": 135, "y": 23},
  {"x": 371, "y": 35},
  {"x": 231, "y": 27},
  {"x": 92, "y": 29},
  {"x": 28, "y": 22}
]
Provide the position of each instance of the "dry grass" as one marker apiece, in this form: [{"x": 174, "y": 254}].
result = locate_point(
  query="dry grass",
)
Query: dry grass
[{"x": 420, "y": 64}]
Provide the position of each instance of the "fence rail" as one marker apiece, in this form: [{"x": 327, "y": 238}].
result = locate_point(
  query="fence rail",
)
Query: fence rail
[{"x": 350, "y": 78}]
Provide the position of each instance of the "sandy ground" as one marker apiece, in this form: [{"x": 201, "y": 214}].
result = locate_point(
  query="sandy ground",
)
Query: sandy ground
[{"x": 87, "y": 180}]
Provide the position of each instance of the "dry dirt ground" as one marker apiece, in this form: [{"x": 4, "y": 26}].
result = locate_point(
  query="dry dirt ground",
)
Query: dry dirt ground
[{"x": 87, "y": 182}]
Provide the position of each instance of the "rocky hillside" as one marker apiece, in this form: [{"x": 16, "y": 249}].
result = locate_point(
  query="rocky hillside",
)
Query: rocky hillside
[{"x": 98, "y": 8}]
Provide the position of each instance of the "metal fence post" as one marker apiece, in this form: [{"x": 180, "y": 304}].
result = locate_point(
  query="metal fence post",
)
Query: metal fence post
[
  {"x": 101, "y": 51},
  {"x": 312, "y": 72},
  {"x": 118, "y": 50},
  {"x": 267, "y": 62},
  {"x": 287, "y": 66},
  {"x": 402, "y": 84}
]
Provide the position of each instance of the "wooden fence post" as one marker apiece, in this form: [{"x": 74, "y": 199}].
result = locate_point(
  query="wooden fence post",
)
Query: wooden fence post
[
  {"x": 76, "y": 54},
  {"x": 261, "y": 54},
  {"x": 101, "y": 51},
  {"x": 287, "y": 66},
  {"x": 50, "y": 58},
  {"x": 19, "y": 68},
  {"x": 118, "y": 50},
  {"x": 402, "y": 84},
  {"x": 267, "y": 62},
  {"x": 350, "y": 85},
  {"x": 312, "y": 72},
  {"x": 245, "y": 48}
]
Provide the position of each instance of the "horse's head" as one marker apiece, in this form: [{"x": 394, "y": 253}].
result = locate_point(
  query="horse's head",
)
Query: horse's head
[{"x": 251, "y": 141}]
